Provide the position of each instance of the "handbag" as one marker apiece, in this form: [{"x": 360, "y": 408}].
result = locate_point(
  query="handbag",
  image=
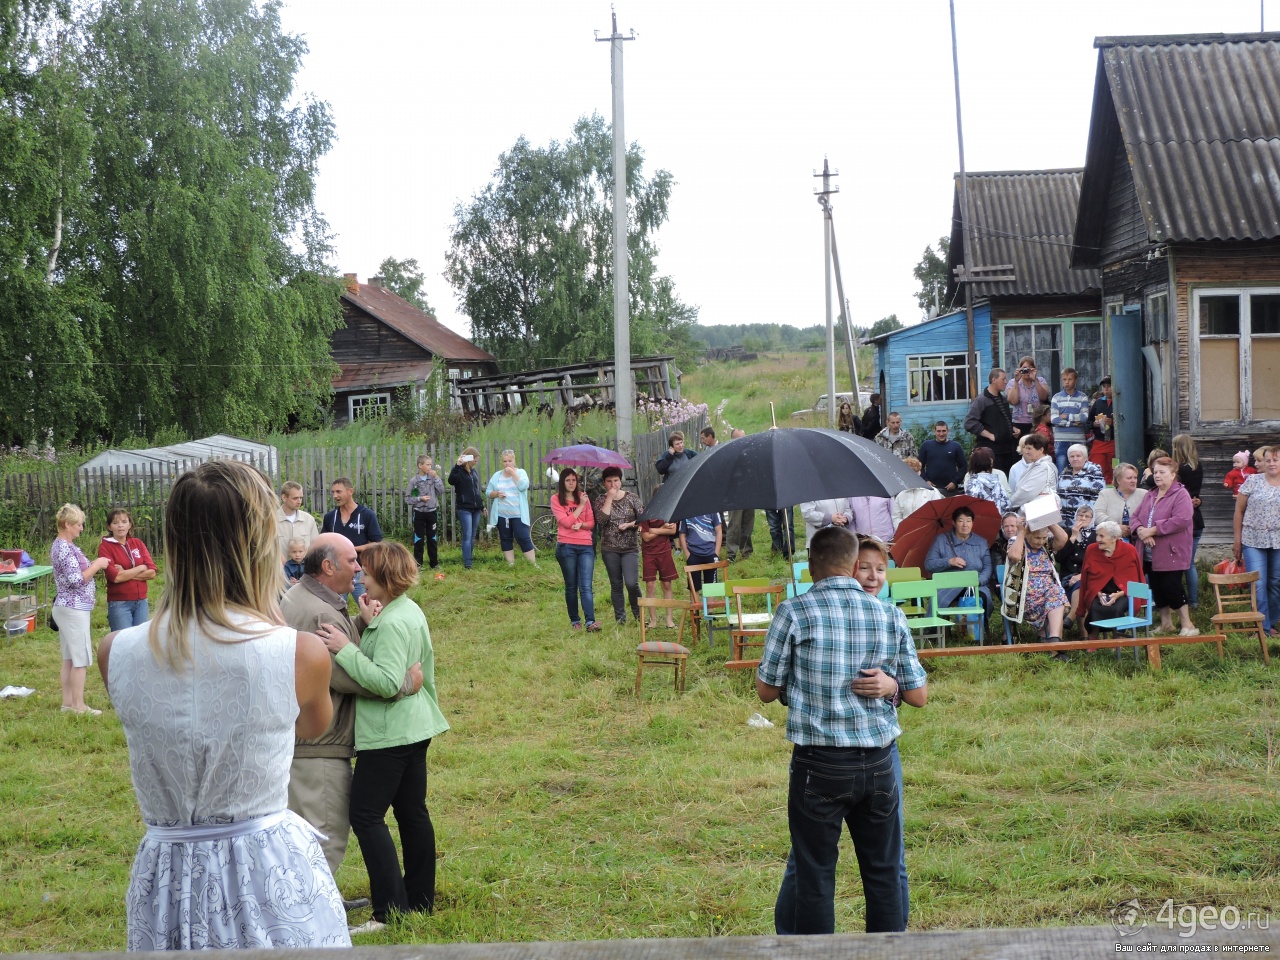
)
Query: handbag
[
  {"x": 969, "y": 598},
  {"x": 1229, "y": 566}
]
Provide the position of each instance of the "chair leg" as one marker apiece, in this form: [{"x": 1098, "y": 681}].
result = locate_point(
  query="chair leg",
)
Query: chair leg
[
  {"x": 1262, "y": 640},
  {"x": 639, "y": 674},
  {"x": 1219, "y": 649},
  {"x": 678, "y": 664}
]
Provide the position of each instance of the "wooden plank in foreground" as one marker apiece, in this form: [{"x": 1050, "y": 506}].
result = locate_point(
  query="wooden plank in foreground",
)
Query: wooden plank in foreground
[{"x": 1040, "y": 943}]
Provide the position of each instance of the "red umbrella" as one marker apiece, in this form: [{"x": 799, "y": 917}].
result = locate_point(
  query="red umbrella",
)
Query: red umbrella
[{"x": 917, "y": 531}]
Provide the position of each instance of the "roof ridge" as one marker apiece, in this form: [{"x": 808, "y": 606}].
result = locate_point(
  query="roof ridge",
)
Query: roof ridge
[
  {"x": 1179, "y": 39},
  {"x": 1152, "y": 143}
]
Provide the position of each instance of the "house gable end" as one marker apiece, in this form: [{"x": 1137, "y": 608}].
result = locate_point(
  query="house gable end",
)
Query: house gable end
[
  {"x": 364, "y": 338},
  {"x": 1124, "y": 228}
]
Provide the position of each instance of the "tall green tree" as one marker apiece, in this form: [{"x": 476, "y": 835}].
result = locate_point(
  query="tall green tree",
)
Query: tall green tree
[
  {"x": 885, "y": 325},
  {"x": 531, "y": 257},
  {"x": 200, "y": 229},
  {"x": 931, "y": 272},
  {"x": 404, "y": 278}
]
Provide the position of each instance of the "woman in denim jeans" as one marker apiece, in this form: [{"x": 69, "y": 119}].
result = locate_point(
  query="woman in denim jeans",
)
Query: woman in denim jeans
[
  {"x": 127, "y": 575},
  {"x": 468, "y": 499},
  {"x": 1257, "y": 529},
  {"x": 574, "y": 551}
]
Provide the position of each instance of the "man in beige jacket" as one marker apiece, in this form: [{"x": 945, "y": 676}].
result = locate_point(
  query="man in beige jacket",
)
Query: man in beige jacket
[
  {"x": 292, "y": 522},
  {"x": 320, "y": 778}
]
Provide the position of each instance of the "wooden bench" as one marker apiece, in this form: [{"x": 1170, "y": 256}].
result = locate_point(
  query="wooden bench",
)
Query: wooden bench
[{"x": 1153, "y": 645}]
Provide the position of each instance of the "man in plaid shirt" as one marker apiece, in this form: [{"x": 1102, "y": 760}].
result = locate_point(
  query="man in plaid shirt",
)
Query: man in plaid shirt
[{"x": 836, "y": 657}]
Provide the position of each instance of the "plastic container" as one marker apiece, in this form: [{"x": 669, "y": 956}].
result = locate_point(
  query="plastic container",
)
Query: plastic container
[{"x": 15, "y": 627}]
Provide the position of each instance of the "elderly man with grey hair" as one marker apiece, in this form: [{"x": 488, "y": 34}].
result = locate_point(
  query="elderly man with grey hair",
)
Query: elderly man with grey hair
[{"x": 320, "y": 777}]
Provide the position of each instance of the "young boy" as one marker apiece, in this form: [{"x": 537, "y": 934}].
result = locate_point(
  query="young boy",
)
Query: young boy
[
  {"x": 293, "y": 566},
  {"x": 657, "y": 564},
  {"x": 700, "y": 539},
  {"x": 422, "y": 494}
]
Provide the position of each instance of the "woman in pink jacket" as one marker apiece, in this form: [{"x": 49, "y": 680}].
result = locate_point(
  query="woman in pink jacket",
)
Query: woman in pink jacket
[
  {"x": 574, "y": 550},
  {"x": 1162, "y": 524}
]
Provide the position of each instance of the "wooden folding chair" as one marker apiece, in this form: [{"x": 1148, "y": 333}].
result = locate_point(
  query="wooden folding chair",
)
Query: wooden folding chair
[
  {"x": 719, "y": 568},
  {"x": 752, "y": 626},
  {"x": 662, "y": 653},
  {"x": 1238, "y": 607}
]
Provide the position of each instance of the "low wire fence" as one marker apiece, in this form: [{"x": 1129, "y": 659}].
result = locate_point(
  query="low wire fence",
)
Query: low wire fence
[{"x": 29, "y": 502}]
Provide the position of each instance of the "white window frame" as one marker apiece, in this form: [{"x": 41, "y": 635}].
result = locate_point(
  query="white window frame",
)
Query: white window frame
[
  {"x": 1245, "y": 338},
  {"x": 961, "y": 377},
  {"x": 382, "y": 401}
]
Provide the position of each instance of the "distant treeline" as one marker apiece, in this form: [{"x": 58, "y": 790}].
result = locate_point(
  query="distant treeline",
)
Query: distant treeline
[{"x": 761, "y": 336}]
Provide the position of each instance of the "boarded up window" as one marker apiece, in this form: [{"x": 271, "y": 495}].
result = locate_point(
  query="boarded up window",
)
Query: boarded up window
[{"x": 1239, "y": 351}]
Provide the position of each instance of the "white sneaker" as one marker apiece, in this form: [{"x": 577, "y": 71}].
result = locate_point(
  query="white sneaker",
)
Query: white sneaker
[
  {"x": 369, "y": 926},
  {"x": 1189, "y": 632}
]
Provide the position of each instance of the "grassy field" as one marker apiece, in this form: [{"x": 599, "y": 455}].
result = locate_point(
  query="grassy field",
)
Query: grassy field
[
  {"x": 1037, "y": 793},
  {"x": 793, "y": 381}
]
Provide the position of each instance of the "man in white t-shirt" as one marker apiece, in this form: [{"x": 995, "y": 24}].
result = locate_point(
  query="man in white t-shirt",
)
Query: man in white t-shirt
[{"x": 291, "y": 520}]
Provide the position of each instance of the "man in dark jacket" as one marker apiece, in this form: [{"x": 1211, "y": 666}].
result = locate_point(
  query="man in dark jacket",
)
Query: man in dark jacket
[
  {"x": 871, "y": 422},
  {"x": 990, "y": 420},
  {"x": 942, "y": 460},
  {"x": 675, "y": 457}
]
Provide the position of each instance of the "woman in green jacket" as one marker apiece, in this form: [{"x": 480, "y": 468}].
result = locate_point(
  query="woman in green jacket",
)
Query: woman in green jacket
[{"x": 392, "y": 737}]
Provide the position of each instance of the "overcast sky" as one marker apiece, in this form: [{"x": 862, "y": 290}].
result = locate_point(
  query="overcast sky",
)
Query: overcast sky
[{"x": 740, "y": 102}]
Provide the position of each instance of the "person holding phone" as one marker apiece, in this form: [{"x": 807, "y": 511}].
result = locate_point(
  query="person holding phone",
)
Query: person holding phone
[
  {"x": 468, "y": 500},
  {"x": 1027, "y": 390}
]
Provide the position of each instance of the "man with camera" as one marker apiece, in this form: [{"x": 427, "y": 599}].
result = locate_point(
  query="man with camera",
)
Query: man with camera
[{"x": 1027, "y": 390}]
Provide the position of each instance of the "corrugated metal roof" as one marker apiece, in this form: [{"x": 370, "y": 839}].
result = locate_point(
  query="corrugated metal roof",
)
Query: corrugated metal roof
[
  {"x": 422, "y": 328},
  {"x": 1199, "y": 117},
  {"x": 381, "y": 373},
  {"x": 1024, "y": 218}
]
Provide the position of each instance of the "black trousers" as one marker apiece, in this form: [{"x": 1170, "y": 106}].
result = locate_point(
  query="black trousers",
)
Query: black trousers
[
  {"x": 424, "y": 531},
  {"x": 395, "y": 778}
]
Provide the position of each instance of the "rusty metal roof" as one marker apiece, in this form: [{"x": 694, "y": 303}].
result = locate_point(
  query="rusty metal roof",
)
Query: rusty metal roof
[
  {"x": 1199, "y": 120},
  {"x": 1025, "y": 219},
  {"x": 422, "y": 328},
  {"x": 381, "y": 374}
]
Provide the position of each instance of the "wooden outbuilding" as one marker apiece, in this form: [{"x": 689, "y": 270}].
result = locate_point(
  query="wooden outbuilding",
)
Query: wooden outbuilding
[{"x": 1180, "y": 210}]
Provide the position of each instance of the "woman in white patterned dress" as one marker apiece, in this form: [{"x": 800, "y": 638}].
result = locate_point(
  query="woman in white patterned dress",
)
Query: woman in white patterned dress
[{"x": 212, "y": 694}]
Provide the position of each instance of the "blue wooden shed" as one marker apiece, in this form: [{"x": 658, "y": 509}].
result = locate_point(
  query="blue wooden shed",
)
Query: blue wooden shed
[{"x": 921, "y": 373}]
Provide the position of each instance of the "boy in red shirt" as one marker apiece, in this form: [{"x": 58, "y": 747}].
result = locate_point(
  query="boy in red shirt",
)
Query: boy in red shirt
[{"x": 657, "y": 563}]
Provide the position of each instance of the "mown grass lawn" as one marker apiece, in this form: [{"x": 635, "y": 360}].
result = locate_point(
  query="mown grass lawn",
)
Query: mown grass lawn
[{"x": 1036, "y": 792}]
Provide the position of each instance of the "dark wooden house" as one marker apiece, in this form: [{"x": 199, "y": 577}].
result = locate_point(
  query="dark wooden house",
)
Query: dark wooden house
[
  {"x": 1180, "y": 210},
  {"x": 386, "y": 344}
]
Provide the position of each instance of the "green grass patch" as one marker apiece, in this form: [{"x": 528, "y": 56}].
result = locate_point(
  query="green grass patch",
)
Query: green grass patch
[{"x": 566, "y": 808}]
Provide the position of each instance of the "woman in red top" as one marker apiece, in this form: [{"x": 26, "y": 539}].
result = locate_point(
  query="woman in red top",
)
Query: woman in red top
[
  {"x": 574, "y": 550},
  {"x": 127, "y": 575}
]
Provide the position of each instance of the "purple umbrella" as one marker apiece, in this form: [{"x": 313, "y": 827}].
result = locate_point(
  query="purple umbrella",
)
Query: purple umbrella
[{"x": 586, "y": 455}]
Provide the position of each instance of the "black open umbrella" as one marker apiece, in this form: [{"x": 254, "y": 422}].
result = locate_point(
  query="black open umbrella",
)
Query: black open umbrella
[{"x": 777, "y": 469}]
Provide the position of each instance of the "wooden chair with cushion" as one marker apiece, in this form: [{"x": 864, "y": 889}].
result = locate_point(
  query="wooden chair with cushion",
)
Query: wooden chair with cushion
[
  {"x": 752, "y": 625},
  {"x": 720, "y": 568},
  {"x": 1237, "y": 596},
  {"x": 662, "y": 653}
]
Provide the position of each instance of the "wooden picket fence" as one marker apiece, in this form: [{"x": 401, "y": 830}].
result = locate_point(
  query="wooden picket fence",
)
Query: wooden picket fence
[{"x": 380, "y": 474}]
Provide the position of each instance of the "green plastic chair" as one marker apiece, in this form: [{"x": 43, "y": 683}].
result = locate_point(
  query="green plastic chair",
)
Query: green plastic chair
[
  {"x": 961, "y": 580},
  {"x": 923, "y": 595}
]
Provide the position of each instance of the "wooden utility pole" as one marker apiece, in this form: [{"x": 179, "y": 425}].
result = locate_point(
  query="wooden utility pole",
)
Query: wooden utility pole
[{"x": 826, "y": 191}]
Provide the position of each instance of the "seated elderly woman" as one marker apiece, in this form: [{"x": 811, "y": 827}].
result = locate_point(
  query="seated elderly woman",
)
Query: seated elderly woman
[
  {"x": 1070, "y": 557},
  {"x": 1110, "y": 564},
  {"x": 959, "y": 549}
]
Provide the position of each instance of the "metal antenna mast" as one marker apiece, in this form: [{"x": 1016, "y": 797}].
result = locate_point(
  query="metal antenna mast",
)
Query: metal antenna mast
[
  {"x": 623, "y": 401},
  {"x": 827, "y": 189}
]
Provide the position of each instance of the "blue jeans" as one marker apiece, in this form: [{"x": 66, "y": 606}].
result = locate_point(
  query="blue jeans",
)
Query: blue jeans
[
  {"x": 783, "y": 543},
  {"x": 1193, "y": 572},
  {"x": 127, "y": 613},
  {"x": 578, "y": 564},
  {"x": 469, "y": 524},
  {"x": 513, "y": 530},
  {"x": 1267, "y": 562},
  {"x": 831, "y": 787},
  {"x": 1060, "y": 448}
]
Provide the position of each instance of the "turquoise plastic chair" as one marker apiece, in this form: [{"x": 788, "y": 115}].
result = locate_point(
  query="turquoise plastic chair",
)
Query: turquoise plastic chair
[
  {"x": 716, "y": 612},
  {"x": 799, "y": 589},
  {"x": 1136, "y": 592}
]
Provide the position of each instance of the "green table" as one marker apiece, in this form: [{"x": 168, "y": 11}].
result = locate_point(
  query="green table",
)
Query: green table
[{"x": 38, "y": 576}]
